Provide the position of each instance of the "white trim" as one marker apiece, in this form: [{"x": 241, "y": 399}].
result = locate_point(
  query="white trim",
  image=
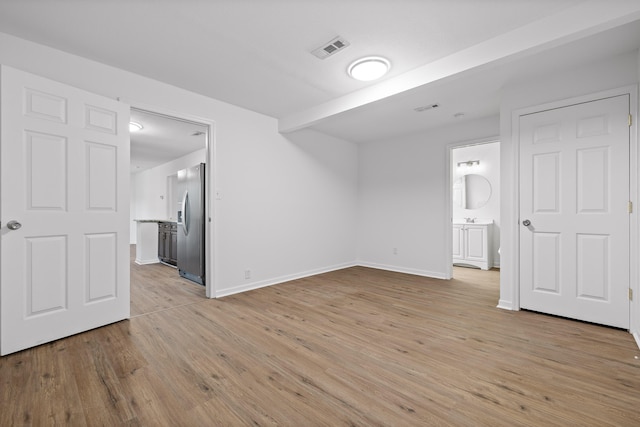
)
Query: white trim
[
  {"x": 448, "y": 225},
  {"x": 634, "y": 162},
  {"x": 412, "y": 271},
  {"x": 505, "y": 305},
  {"x": 637, "y": 338},
  {"x": 514, "y": 214},
  {"x": 282, "y": 279},
  {"x": 634, "y": 229},
  {"x": 147, "y": 261},
  {"x": 210, "y": 181}
]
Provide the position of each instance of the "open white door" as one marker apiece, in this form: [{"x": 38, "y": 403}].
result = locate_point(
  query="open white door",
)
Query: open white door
[
  {"x": 574, "y": 217},
  {"x": 64, "y": 252}
]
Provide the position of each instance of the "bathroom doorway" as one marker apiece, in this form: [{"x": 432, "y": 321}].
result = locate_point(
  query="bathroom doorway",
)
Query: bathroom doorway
[{"x": 475, "y": 206}]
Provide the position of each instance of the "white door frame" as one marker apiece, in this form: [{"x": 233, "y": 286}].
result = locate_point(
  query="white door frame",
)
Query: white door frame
[
  {"x": 210, "y": 248},
  {"x": 449, "y": 202},
  {"x": 513, "y": 173}
]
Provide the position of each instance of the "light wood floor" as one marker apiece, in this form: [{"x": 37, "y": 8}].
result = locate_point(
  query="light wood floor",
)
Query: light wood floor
[
  {"x": 157, "y": 287},
  {"x": 356, "y": 347}
]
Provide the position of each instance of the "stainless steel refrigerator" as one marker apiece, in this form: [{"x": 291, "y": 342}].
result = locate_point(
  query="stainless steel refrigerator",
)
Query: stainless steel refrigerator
[{"x": 191, "y": 223}]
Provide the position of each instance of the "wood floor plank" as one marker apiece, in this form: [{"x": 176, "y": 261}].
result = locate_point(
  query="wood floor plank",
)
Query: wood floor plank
[
  {"x": 157, "y": 287},
  {"x": 355, "y": 347}
]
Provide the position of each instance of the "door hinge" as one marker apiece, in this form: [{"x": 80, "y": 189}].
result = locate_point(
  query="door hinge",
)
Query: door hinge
[
  {"x": 630, "y": 120},
  {"x": 630, "y": 294},
  {"x": 630, "y": 206}
]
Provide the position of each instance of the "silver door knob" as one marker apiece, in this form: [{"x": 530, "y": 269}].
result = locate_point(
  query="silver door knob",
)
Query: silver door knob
[
  {"x": 13, "y": 225},
  {"x": 526, "y": 223}
]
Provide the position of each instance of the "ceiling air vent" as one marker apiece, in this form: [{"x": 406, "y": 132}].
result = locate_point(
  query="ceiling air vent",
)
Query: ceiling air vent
[{"x": 330, "y": 48}]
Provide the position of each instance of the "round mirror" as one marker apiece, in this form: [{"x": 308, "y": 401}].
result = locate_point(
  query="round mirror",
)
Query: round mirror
[{"x": 471, "y": 191}]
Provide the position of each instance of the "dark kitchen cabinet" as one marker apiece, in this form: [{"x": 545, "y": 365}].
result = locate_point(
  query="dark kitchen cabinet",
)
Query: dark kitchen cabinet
[{"x": 168, "y": 242}]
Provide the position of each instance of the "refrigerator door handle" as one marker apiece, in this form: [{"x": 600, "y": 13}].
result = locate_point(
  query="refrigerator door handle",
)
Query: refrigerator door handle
[{"x": 185, "y": 214}]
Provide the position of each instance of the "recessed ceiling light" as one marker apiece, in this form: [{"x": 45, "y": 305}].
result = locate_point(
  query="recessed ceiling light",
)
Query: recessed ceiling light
[
  {"x": 134, "y": 127},
  {"x": 369, "y": 68}
]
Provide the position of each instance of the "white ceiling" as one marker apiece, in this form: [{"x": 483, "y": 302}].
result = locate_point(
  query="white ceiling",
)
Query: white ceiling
[
  {"x": 163, "y": 139},
  {"x": 256, "y": 53}
]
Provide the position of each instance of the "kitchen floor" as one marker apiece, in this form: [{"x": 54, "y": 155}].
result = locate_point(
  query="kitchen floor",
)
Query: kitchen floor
[{"x": 158, "y": 287}]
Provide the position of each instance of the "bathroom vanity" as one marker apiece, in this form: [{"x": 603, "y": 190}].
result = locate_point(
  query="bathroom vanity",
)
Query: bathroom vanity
[{"x": 472, "y": 243}]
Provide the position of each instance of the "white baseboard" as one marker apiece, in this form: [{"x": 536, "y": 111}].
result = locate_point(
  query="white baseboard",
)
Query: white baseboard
[
  {"x": 506, "y": 305},
  {"x": 269, "y": 282},
  {"x": 637, "y": 338},
  {"x": 147, "y": 261},
  {"x": 415, "y": 272}
]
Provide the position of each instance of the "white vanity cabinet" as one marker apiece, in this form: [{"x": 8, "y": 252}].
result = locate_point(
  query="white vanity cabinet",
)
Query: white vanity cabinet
[{"x": 472, "y": 244}]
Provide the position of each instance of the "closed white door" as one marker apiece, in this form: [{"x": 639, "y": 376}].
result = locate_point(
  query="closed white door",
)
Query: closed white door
[
  {"x": 574, "y": 217},
  {"x": 64, "y": 256}
]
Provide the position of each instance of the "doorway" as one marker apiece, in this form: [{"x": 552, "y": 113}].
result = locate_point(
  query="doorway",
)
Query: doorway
[
  {"x": 475, "y": 205},
  {"x": 164, "y": 144}
]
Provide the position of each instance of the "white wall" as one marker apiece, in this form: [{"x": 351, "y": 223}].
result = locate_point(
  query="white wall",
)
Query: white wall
[
  {"x": 149, "y": 188},
  {"x": 404, "y": 202},
  {"x": 288, "y": 203},
  {"x": 291, "y": 201},
  {"x": 489, "y": 167},
  {"x": 587, "y": 79}
]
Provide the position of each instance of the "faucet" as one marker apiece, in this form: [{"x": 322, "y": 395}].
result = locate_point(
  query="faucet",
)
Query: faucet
[{"x": 470, "y": 220}]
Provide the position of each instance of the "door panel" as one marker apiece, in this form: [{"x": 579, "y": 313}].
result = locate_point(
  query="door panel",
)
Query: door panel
[
  {"x": 46, "y": 276},
  {"x": 545, "y": 260},
  {"x": 476, "y": 243},
  {"x": 593, "y": 180},
  {"x": 101, "y": 176},
  {"x": 64, "y": 163},
  {"x": 45, "y": 165},
  {"x": 101, "y": 267},
  {"x": 574, "y": 189},
  {"x": 593, "y": 262},
  {"x": 458, "y": 244},
  {"x": 546, "y": 182}
]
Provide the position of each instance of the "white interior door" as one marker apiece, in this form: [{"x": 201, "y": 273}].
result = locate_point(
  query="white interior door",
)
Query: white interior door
[
  {"x": 64, "y": 182},
  {"x": 574, "y": 191}
]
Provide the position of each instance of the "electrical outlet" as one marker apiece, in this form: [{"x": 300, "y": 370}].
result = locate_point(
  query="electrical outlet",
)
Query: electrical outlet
[
  {"x": 395, "y": 251},
  {"x": 247, "y": 274}
]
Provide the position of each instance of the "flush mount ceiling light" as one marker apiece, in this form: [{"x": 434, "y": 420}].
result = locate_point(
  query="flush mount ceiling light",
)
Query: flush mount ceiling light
[
  {"x": 134, "y": 127},
  {"x": 369, "y": 68}
]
